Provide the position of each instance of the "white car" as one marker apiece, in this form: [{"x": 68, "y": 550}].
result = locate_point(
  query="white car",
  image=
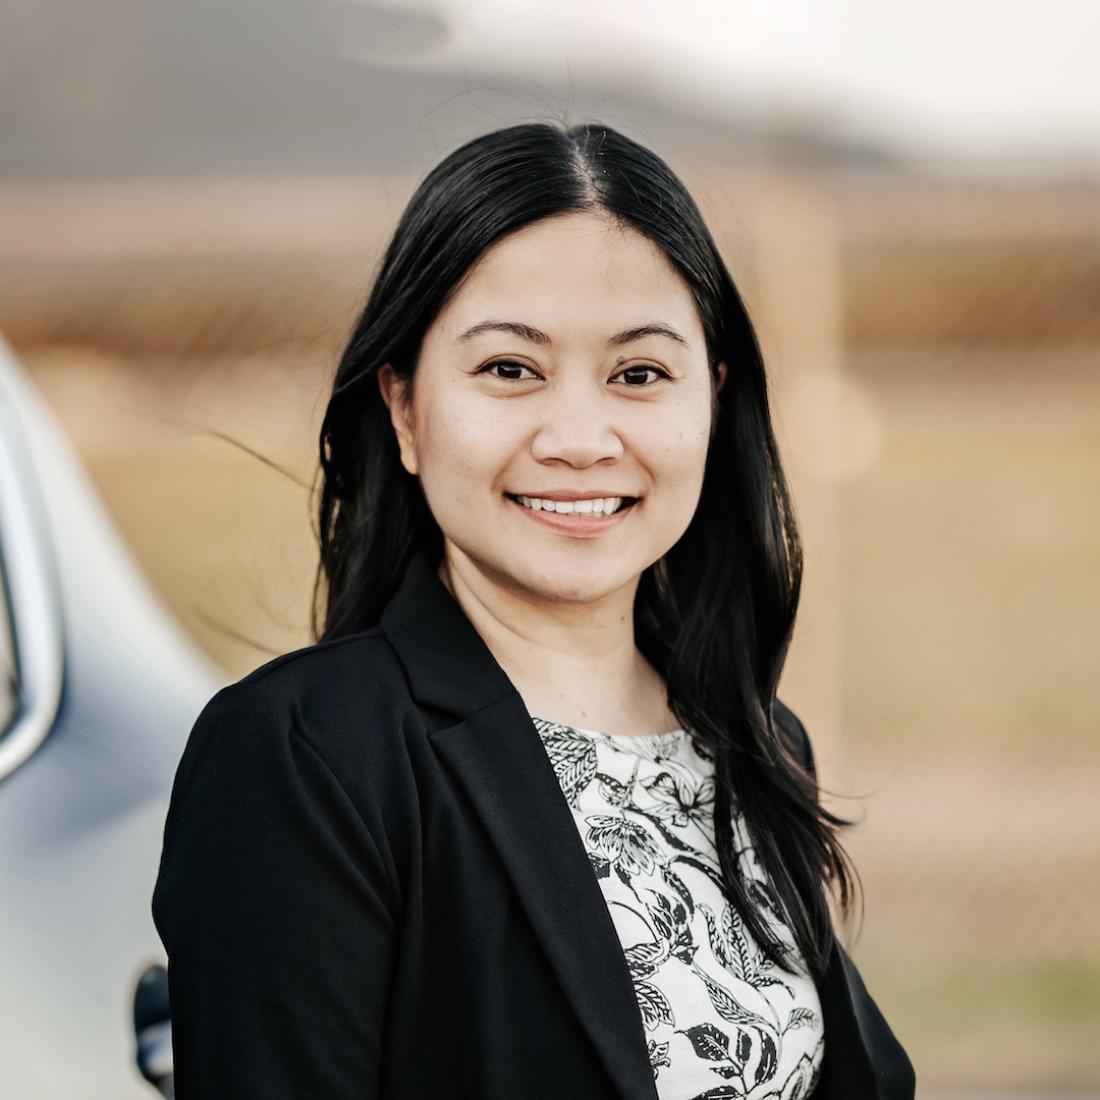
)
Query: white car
[{"x": 99, "y": 687}]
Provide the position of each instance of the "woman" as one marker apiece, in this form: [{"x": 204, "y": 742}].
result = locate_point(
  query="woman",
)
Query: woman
[{"x": 528, "y": 820}]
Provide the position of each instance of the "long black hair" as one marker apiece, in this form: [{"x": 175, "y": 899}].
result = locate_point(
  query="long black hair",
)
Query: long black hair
[{"x": 715, "y": 614}]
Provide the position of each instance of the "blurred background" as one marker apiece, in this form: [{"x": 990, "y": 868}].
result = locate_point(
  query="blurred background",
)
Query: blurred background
[{"x": 194, "y": 199}]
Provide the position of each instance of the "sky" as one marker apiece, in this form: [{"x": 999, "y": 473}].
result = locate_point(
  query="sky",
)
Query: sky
[
  {"x": 954, "y": 78},
  {"x": 216, "y": 86}
]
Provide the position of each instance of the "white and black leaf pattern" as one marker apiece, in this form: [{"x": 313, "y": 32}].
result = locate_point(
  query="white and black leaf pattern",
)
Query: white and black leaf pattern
[
  {"x": 729, "y": 1009},
  {"x": 658, "y": 1056},
  {"x": 573, "y": 757},
  {"x": 669, "y": 836},
  {"x": 625, "y": 843},
  {"x": 731, "y": 962},
  {"x": 657, "y": 747},
  {"x": 623, "y": 875},
  {"x": 663, "y": 786},
  {"x": 671, "y": 795},
  {"x": 765, "y": 981},
  {"x": 613, "y": 791},
  {"x": 668, "y": 915},
  {"x": 713, "y": 1044},
  {"x": 769, "y": 1058},
  {"x": 673, "y": 880},
  {"x": 653, "y": 1004},
  {"x": 708, "y": 869},
  {"x": 743, "y": 1050},
  {"x": 670, "y": 919},
  {"x": 737, "y": 942},
  {"x": 709, "y": 1042},
  {"x": 802, "y": 1079},
  {"x": 801, "y": 1017},
  {"x": 680, "y": 798},
  {"x": 644, "y": 807},
  {"x": 644, "y": 958}
]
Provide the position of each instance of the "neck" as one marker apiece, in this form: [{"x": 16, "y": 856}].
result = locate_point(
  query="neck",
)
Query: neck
[{"x": 573, "y": 662}]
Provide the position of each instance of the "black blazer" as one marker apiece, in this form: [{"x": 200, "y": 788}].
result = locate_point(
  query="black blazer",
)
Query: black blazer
[{"x": 372, "y": 886}]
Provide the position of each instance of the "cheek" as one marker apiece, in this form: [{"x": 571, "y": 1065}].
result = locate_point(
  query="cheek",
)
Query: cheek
[
  {"x": 460, "y": 442},
  {"x": 678, "y": 449}
]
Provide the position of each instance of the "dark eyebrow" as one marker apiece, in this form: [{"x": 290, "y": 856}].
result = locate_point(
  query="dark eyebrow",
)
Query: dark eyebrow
[{"x": 537, "y": 336}]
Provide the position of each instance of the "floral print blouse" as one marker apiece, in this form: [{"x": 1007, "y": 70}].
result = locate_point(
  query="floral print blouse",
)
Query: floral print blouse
[{"x": 722, "y": 1022}]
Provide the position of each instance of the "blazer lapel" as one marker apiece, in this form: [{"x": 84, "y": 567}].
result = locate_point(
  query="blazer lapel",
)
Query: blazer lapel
[
  {"x": 495, "y": 753},
  {"x": 498, "y": 758},
  {"x": 480, "y": 727}
]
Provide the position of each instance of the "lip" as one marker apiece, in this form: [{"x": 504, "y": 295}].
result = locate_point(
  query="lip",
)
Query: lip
[{"x": 576, "y": 524}]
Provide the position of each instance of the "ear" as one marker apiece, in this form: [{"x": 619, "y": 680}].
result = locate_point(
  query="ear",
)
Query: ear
[
  {"x": 721, "y": 376},
  {"x": 394, "y": 393}
]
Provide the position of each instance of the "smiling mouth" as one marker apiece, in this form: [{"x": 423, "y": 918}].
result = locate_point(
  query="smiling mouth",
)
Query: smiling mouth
[{"x": 625, "y": 503}]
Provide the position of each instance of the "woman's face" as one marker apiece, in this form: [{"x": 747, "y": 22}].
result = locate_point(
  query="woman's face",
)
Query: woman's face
[{"x": 570, "y": 365}]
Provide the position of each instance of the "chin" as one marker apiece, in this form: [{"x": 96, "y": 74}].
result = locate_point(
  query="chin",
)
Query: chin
[{"x": 570, "y": 584}]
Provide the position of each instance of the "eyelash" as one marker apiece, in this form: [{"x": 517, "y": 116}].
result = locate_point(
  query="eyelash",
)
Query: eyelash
[{"x": 663, "y": 374}]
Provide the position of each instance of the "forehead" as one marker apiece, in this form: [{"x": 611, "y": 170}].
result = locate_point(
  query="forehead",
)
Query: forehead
[{"x": 580, "y": 269}]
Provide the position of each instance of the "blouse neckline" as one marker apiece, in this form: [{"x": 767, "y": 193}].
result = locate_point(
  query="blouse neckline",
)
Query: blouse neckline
[{"x": 626, "y": 738}]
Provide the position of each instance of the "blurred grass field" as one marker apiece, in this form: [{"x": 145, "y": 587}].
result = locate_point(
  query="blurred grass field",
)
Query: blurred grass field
[{"x": 971, "y": 596}]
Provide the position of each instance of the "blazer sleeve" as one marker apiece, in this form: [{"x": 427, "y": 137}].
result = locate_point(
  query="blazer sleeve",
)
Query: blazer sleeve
[{"x": 272, "y": 906}]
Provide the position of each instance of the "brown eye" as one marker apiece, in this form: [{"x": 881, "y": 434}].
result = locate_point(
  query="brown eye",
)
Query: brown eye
[
  {"x": 506, "y": 365},
  {"x": 641, "y": 370}
]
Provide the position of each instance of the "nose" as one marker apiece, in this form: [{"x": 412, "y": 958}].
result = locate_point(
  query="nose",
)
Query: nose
[{"x": 576, "y": 425}]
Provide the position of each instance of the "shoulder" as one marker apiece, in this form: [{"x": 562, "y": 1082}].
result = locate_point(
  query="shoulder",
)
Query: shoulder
[
  {"x": 298, "y": 765},
  {"x": 324, "y": 665},
  {"x": 346, "y": 699},
  {"x": 328, "y": 678},
  {"x": 792, "y": 729}
]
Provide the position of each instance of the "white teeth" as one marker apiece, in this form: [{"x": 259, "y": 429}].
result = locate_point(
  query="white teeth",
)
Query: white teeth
[{"x": 599, "y": 506}]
